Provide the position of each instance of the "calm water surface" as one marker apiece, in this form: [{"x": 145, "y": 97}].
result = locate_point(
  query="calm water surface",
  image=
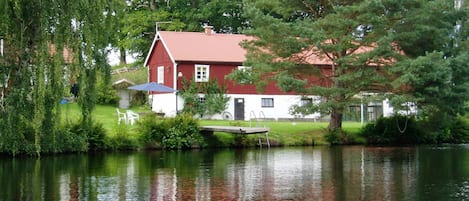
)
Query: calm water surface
[{"x": 305, "y": 173}]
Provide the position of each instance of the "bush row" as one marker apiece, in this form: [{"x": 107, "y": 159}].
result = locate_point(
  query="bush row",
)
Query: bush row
[
  {"x": 181, "y": 132},
  {"x": 407, "y": 130}
]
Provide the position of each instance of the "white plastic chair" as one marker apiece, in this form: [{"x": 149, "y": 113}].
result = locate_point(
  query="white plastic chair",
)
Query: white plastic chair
[
  {"x": 121, "y": 116},
  {"x": 132, "y": 117}
]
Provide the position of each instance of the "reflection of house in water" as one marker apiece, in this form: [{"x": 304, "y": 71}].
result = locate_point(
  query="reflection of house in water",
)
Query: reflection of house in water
[
  {"x": 328, "y": 173},
  {"x": 164, "y": 184}
]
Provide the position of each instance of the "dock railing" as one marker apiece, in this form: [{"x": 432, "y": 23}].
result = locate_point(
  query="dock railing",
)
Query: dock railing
[{"x": 252, "y": 115}]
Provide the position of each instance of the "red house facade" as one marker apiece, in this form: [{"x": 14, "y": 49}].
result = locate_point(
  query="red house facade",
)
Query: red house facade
[{"x": 199, "y": 57}]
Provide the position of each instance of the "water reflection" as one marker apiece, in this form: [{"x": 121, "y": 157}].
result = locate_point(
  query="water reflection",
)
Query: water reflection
[{"x": 306, "y": 173}]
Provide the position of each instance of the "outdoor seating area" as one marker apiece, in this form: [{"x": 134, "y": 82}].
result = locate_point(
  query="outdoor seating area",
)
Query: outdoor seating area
[{"x": 127, "y": 117}]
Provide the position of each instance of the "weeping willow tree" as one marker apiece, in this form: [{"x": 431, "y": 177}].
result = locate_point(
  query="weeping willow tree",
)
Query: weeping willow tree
[{"x": 46, "y": 44}]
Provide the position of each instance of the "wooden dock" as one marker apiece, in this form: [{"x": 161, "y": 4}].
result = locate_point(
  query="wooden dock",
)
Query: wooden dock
[
  {"x": 235, "y": 129},
  {"x": 240, "y": 130}
]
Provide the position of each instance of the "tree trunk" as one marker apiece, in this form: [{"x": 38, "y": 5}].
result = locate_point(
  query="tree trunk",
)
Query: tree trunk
[
  {"x": 152, "y": 5},
  {"x": 335, "y": 123},
  {"x": 122, "y": 55}
]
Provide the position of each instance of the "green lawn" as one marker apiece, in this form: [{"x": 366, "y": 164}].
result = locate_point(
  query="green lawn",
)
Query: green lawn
[
  {"x": 284, "y": 133},
  {"x": 104, "y": 114},
  {"x": 290, "y": 133}
]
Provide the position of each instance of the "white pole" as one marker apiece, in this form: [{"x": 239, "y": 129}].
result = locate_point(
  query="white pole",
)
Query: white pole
[
  {"x": 1, "y": 46},
  {"x": 362, "y": 112}
]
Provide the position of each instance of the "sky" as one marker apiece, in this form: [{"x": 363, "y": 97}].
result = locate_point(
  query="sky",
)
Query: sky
[{"x": 113, "y": 58}]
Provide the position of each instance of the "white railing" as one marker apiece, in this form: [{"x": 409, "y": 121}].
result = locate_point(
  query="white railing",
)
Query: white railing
[{"x": 252, "y": 115}]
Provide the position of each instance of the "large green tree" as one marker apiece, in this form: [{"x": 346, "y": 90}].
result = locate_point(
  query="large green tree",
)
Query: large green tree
[
  {"x": 437, "y": 70},
  {"x": 364, "y": 40},
  {"x": 141, "y": 16},
  {"x": 34, "y": 73}
]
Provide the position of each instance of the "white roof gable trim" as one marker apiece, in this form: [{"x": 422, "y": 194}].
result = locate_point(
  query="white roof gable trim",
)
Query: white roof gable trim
[{"x": 158, "y": 37}]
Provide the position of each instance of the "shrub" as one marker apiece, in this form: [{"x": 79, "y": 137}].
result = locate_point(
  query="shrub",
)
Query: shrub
[
  {"x": 393, "y": 130},
  {"x": 336, "y": 136},
  {"x": 180, "y": 132},
  {"x": 107, "y": 95},
  {"x": 459, "y": 131},
  {"x": 18, "y": 137},
  {"x": 138, "y": 98},
  {"x": 151, "y": 131},
  {"x": 95, "y": 136},
  {"x": 67, "y": 141},
  {"x": 122, "y": 141}
]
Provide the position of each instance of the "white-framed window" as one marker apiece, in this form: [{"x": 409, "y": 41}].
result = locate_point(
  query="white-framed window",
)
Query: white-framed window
[
  {"x": 202, "y": 73},
  {"x": 306, "y": 101},
  {"x": 246, "y": 73},
  {"x": 160, "y": 73},
  {"x": 244, "y": 68},
  {"x": 201, "y": 99},
  {"x": 267, "y": 102}
]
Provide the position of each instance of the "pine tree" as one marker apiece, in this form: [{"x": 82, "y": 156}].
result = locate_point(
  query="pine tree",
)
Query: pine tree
[{"x": 366, "y": 42}]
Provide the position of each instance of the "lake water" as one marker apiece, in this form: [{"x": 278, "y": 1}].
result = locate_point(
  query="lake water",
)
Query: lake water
[{"x": 299, "y": 173}]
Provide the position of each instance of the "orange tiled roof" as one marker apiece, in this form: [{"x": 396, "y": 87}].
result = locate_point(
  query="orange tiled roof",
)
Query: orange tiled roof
[{"x": 195, "y": 46}]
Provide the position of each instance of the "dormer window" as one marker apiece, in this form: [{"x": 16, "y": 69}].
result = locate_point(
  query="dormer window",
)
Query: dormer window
[{"x": 202, "y": 73}]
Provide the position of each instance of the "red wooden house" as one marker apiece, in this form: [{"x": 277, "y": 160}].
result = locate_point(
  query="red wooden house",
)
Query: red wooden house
[{"x": 175, "y": 56}]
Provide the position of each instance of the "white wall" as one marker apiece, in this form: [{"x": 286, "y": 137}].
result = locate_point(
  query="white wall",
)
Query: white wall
[
  {"x": 252, "y": 106},
  {"x": 388, "y": 110},
  {"x": 166, "y": 103}
]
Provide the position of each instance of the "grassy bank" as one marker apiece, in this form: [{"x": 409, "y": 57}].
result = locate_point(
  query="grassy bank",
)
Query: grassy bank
[
  {"x": 282, "y": 133},
  {"x": 285, "y": 133}
]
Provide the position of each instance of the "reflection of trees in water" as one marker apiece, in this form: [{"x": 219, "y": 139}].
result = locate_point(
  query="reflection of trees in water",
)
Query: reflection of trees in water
[{"x": 325, "y": 173}]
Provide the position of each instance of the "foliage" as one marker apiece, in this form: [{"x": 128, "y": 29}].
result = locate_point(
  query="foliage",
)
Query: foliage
[
  {"x": 322, "y": 30},
  {"x": 49, "y": 44},
  {"x": 95, "y": 135},
  {"x": 19, "y": 140},
  {"x": 407, "y": 130},
  {"x": 439, "y": 85},
  {"x": 122, "y": 140},
  {"x": 107, "y": 95},
  {"x": 151, "y": 131},
  {"x": 180, "y": 132},
  {"x": 139, "y": 17},
  {"x": 66, "y": 141},
  {"x": 437, "y": 75},
  {"x": 360, "y": 38},
  {"x": 212, "y": 101},
  {"x": 397, "y": 129},
  {"x": 443, "y": 128},
  {"x": 341, "y": 137},
  {"x": 459, "y": 131},
  {"x": 183, "y": 133}
]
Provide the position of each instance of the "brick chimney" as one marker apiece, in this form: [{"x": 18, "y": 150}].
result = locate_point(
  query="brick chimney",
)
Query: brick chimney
[{"x": 208, "y": 29}]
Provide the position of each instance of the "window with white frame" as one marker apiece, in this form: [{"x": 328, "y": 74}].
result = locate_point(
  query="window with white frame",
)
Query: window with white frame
[
  {"x": 160, "y": 75},
  {"x": 267, "y": 102},
  {"x": 306, "y": 101},
  {"x": 202, "y": 73},
  {"x": 201, "y": 99}
]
